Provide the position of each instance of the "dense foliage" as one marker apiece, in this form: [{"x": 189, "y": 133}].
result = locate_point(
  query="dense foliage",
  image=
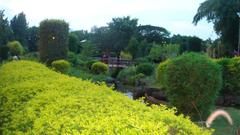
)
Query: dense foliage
[
  {"x": 15, "y": 48},
  {"x": 19, "y": 27},
  {"x": 53, "y": 42},
  {"x": 99, "y": 68},
  {"x": 161, "y": 73},
  {"x": 39, "y": 101},
  {"x": 230, "y": 75},
  {"x": 192, "y": 84},
  {"x": 61, "y": 66},
  {"x": 223, "y": 15},
  {"x": 145, "y": 68}
]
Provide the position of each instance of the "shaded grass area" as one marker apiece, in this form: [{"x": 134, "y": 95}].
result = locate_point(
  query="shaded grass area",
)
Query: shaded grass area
[{"x": 221, "y": 125}]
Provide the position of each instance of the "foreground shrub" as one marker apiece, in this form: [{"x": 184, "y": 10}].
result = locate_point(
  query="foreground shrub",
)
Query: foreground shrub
[
  {"x": 230, "y": 75},
  {"x": 99, "y": 68},
  {"x": 53, "y": 40},
  {"x": 161, "y": 70},
  {"x": 145, "y": 68},
  {"x": 192, "y": 84},
  {"x": 15, "y": 48},
  {"x": 40, "y": 101},
  {"x": 62, "y": 66}
]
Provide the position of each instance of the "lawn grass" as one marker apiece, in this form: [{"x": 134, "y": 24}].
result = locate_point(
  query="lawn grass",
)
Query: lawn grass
[{"x": 221, "y": 125}]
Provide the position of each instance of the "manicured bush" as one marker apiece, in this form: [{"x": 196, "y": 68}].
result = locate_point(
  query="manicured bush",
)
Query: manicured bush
[
  {"x": 89, "y": 63},
  {"x": 99, "y": 68},
  {"x": 15, "y": 48},
  {"x": 126, "y": 73},
  {"x": 192, "y": 84},
  {"x": 62, "y": 66},
  {"x": 230, "y": 75},
  {"x": 161, "y": 70},
  {"x": 145, "y": 68},
  {"x": 53, "y": 40},
  {"x": 134, "y": 79},
  {"x": 40, "y": 101}
]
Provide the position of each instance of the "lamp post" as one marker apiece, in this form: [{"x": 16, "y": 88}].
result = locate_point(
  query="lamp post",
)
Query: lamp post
[{"x": 238, "y": 13}]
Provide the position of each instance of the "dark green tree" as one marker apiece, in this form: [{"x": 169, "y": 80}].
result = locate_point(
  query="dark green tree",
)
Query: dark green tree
[
  {"x": 19, "y": 27},
  {"x": 133, "y": 47},
  {"x": 223, "y": 14},
  {"x": 73, "y": 42},
  {"x": 5, "y": 30},
  {"x": 144, "y": 48},
  {"x": 103, "y": 40},
  {"x": 122, "y": 29},
  {"x": 194, "y": 44},
  {"x": 53, "y": 40},
  {"x": 153, "y": 34},
  {"x": 32, "y": 38}
]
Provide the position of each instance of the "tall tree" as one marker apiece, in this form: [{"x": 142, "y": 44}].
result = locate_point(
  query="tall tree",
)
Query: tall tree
[
  {"x": 122, "y": 29},
  {"x": 5, "y": 30},
  {"x": 19, "y": 27},
  {"x": 223, "y": 14},
  {"x": 153, "y": 34},
  {"x": 32, "y": 38},
  {"x": 133, "y": 47},
  {"x": 103, "y": 39}
]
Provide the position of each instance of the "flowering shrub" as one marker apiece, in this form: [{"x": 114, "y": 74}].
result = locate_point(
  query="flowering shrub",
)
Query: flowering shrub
[{"x": 36, "y": 100}]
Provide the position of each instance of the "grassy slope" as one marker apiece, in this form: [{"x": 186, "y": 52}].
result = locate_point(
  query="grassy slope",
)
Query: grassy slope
[{"x": 36, "y": 100}]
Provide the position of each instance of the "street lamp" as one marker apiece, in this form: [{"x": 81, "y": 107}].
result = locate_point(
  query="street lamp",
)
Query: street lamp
[{"x": 238, "y": 13}]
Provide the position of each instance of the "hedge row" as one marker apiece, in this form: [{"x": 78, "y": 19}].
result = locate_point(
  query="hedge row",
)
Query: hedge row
[{"x": 36, "y": 100}]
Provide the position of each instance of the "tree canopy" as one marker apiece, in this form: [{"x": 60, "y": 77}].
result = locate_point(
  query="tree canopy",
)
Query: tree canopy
[{"x": 223, "y": 14}]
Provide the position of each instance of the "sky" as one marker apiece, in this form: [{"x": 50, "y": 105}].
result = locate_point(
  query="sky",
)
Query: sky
[{"x": 174, "y": 15}]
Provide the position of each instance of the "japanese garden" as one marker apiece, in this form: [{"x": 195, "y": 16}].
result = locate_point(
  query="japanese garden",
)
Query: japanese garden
[{"x": 122, "y": 78}]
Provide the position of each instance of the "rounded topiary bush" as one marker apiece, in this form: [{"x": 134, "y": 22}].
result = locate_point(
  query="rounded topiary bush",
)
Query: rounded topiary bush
[
  {"x": 192, "y": 84},
  {"x": 15, "y": 48},
  {"x": 62, "y": 66},
  {"x": 145, "y": 68},
  {"x": 161, "y": 70},
  {"x": 99, "y": 68},
  {"x": 125, "y": 74}
]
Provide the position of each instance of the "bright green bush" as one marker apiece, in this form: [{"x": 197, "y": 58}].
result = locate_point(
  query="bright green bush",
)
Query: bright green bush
[
  {"x": 230, "y": 75},
  {"x": 145, "y": 68},
  {"x": 36, "y": 100},
  {"x": 53, "y": 40},
  {"x": 99, "y": 68},
  {"x": 192, "y": 84},
  {"x": 161, "y": 70},
  {"x": 15, "y": 48},
  {"x": 62, "y": 66}
]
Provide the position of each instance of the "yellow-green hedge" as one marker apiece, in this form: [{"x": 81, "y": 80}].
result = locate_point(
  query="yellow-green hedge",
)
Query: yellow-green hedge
[{"x": 36, "y": 100}]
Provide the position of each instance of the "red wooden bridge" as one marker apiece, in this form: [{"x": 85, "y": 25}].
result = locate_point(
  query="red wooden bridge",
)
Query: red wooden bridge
[{"x": 114, "y": 62}]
